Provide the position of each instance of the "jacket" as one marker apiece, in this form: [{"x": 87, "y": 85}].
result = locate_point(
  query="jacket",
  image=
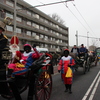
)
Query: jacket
[{"x": 64, "y": 63}]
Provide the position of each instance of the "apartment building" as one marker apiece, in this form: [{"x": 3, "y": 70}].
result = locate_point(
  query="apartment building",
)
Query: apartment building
[{"x": 34, "y": 26}]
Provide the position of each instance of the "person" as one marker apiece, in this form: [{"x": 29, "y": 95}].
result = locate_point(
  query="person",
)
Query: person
[
  {"x": 19, "y": 61},
  {"x": 3, "y": 45},
  {"x": 82, "y": 50},
  {"x": 3, "y": 39},
  {"x": 75, "y": 50},
  {"x": 55, "y": 58},
  {"x": 65, "y": 62}
]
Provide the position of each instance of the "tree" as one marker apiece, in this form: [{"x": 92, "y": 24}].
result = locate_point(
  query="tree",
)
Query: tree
[
  {"x": 94, "y": 45},
  {"x": 57, "y": 18}
]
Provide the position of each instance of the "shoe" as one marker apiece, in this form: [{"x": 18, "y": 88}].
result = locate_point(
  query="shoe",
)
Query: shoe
[{"x": 70, "y": 92}]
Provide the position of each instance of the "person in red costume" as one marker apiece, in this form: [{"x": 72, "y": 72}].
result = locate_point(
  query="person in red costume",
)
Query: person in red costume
[
  {"x": 19, "y": 60},
  {"x": 65, "y": 62}
]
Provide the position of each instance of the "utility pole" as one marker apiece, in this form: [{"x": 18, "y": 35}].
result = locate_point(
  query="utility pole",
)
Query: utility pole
[
  {"x": 87, "y": 41},
  {"x": 76, "y": 38},
  {"x": 15, "y": 17}
]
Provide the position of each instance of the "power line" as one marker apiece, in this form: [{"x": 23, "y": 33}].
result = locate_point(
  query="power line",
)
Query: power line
[
  {"x": 47, "y": 4},
  {"x": 82, "y": 16},
  {"x": 89, "y": 37},
  {"x": 76, "y": 17},
  {"x": 40, "y": 2}
]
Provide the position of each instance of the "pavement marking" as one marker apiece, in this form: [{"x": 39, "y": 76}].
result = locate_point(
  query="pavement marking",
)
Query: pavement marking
[
  {"x": 88, "y": 91},
  {"x": 94, "y": 90}
]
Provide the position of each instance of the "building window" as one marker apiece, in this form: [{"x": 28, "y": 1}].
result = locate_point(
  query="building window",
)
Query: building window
[
  {"x": 46, "y": 45},
  {"x": 37, "y": 16},
  {"x": 18, "y": 30},
  {"x": 29, "y": 12},
  {"x": 9, "y": 15},
  {"x": 54, "y": 47},
  {"x": 28, "y": 33},
  {"x": 51, "y": 38},
  {"x": 46, "y": 29},
  {"x": 41, "y": 27},
  {"x": 33, "y": 14},
  {"x": 41, "y": 36},
  {"x": 46, "y": 38},
  {"x": 46, "y": 21},
  {"x": 57, "y": 34},
  {"x": 41, "y": 18},
  {"x": 29, "y": 23},
  {"x": 9, "y": 28},
  {"x": 10, "y": 3},
  {"x": 19, "y": 19},
  {"x": 19, "y": 7},
  {"x": 41, "y": 45},
  {"x": 33, "y": 34},
  {"x": 50, "y": 46}
]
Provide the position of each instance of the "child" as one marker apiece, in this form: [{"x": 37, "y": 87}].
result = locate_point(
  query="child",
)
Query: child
[{"x": 65, "y": 62}]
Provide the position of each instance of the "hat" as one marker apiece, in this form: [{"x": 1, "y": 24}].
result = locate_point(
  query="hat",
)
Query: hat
[{"x": 2, "y": 25}]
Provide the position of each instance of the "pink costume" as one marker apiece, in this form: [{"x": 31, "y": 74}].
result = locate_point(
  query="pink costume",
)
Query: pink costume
[{"x": 23, "y": 59}]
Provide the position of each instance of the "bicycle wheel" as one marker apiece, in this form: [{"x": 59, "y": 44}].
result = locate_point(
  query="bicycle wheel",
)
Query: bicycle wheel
[{"x": 43, "y": 86}]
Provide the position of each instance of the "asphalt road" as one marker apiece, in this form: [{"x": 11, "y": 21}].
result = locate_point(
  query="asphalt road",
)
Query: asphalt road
[{"x": 81, "y": 83}]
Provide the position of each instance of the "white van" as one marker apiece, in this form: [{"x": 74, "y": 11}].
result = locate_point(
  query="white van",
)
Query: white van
[{"x": 42, "y": 50}]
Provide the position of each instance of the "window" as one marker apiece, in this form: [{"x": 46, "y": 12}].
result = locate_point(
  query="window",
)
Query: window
[
  {"x": 41, "y": 18},
  {"x": 18, "y": 30},
  {"x": 46, "y": 29},
  {"x": 33, "y": 34},
  {"x": 19, "y": 7},
  {"x": 51, "y": 38},
  {"x": 41, "y": 45},
  {"x": 37, "y": 26},
  {"x": 28, "y": 33},
  {"x": 29, "y": 12},
  {"x": 33, "y": 14},
  {"x": 57, "y": 34},
  {"x": 10, "y": 3},
  {"x": 9, "y": 28},
  {"x": 46, "y": 21},
  {"x": 37, "y": 16},
  {"x": 19, "y": 19},
  {"x": 46, "y": 38},
  {"x": 51, "y": 46},
  {"x": 41, "y": 36},
  {"x": 46, "y": 45},
  {"x": 41, "y": 27},
  {"x": 9, "y": 15},
  {"x": 54, "y": 47},
  {"x": 29, "y": 23}
]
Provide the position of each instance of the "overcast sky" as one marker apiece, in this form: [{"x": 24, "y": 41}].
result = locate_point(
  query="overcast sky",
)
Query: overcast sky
[{"x": 79, "y": 15}]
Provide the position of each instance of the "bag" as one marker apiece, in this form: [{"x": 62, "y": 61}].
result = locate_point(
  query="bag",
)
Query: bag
[{"x": 68, "y": 73}]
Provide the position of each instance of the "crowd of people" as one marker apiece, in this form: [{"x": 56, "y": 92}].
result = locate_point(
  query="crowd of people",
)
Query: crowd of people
[{"x": 22, "y": 61}]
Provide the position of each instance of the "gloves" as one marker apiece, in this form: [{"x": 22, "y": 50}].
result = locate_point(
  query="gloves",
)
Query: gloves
[
  {"x": 69, "y": 65},
  {"x": 58, "y": 71}
]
